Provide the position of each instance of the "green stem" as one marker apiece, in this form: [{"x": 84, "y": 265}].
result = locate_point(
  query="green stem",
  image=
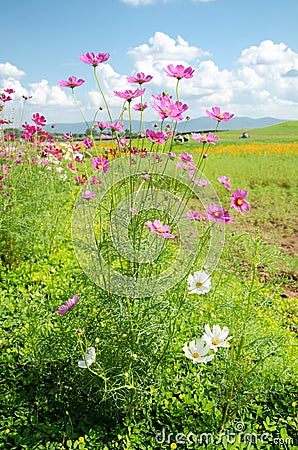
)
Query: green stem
[{"x": 102, "y": 94}]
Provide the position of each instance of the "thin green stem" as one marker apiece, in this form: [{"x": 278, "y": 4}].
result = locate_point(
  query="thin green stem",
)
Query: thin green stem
[{"x": 102, "y": 94}]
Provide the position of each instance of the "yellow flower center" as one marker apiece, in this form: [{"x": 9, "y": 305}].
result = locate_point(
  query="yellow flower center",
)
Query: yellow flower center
[
  {"x": 215, "y": 342},
  {"x": 196, "y": 355},
  {"x": 239, "y": 201},
  {"x": 199, "y": 284},
  {"x": 160, "y": 230},
  {"x": 216, "y": 214},
  {"x": 99, "y": 166}
]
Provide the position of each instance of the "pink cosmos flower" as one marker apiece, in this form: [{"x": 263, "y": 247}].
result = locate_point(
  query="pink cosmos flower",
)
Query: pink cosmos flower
[
  {"x": 145, "y": 176},
  {"x": 238, "y": 201},
  {"x": 88, "y": 143},
  {"x": 129, "y": 94},
  {"x": 140, "y": 78},
  {"x": 39, "y": 120},
  {"x": 140, "y": 106},
  {"x": 69, "y": 304},
  {"x": 184, "y": 166},
  {"x": 116, "y": 126},
  {"x": 195, "y": 215},
  {"x": 72, "y": 167},
  {"x": 218, "y": 214},
  {"x": 179, "y": 71},
  {"x": 102, "y": 125},
  {"x": 122, "y": 142},
  {"x": 160, "y": 229},
  {"x": 208, "y": 138},
  {"x": 100, "y": 163},
  {"x": 68, "y": 136},
  {"x": 161, "y": 96},
  {"x": 88, "y": 194},
  {"x": 94, "y": 60},
  {"x": 81, "y": 180},
  {"x": 157, "y": 137},
  {"x": 9, "y": 91},
  {"x": 186, "y": 157},
  {"x": 169, "y": 108},
  {"x": 72, "y": 82},
  {"x": 215, "y": 114},
  {"x": 95, "y": 180},
  {"x": 171, "y": 155},
  {"x": 199, "y": 182},
  {"x": 225, "y": 181},
  {"x": 134, "y": 211},
  {"x": 5, "y": 98}
]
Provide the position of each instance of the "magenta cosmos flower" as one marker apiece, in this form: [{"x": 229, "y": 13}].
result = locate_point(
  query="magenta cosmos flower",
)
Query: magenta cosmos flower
[
  {"x": 39, "y": 120},
  {"x": 94, "y": 60},
  {"x": 116, "y": 126},
  {"x": 72, "y": 82},
  {"x": 160, "y": 229},
  {"x": 208, "y": 138},
  {"x": 215, "y": 114},
  {"x": 185, "y": 156},
  {"x": 157, "y": 137},
  {"x": 238, "y": 201},
  {"x": 129, "y": 94},
  {"x": 169, "y": 108},
  {"x": 194, "y": 215},
  {"x": 100, "y": 163},
  {"x": 218, "y": 214},
  {"x": 88, "y": 143},
  {"x": 179, "y": 71},
  {"x": 88, "y": 195},
  {"x": 140, "y": 78},
  {"x": 225, "y": 181},
  {"x": 69, "y": 304},
  {"x": 140, "y": 106}
]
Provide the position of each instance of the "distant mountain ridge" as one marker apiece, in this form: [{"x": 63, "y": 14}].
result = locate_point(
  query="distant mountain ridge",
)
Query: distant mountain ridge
[{"x": 192, "y": 125}]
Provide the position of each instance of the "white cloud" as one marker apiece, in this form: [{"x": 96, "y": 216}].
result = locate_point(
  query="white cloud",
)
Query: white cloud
[
  {"x": 43, "y": 94},
  {"x": 263, "y": 82},
  {"x": 269, "y": 54},
  {"x": 9, "y": 70},
  {"x": 162, "y": 49}
]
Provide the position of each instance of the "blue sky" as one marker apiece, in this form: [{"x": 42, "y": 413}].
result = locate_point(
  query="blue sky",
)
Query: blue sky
[{"x": 245, "y": 53}]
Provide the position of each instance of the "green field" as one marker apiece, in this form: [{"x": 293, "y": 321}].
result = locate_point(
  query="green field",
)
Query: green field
[{"x": 284, "y": 132}]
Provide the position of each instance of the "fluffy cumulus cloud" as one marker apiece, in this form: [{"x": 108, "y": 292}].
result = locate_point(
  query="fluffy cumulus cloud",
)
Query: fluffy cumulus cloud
[
  {"x": 9, "y": 70},
  {"x": 263, "y": 82}
]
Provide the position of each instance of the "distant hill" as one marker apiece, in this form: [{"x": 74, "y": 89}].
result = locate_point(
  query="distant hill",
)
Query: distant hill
[{"x": 193, "y": 125}]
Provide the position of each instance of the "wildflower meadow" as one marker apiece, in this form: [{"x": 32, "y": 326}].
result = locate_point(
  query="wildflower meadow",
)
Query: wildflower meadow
[{"x": 147, "y": 284}]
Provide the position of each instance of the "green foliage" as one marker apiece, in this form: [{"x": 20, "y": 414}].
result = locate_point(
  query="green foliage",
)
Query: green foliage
[{"x": 141, "y": 383}]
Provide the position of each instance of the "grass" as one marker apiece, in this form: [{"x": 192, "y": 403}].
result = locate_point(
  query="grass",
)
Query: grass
[
  {"x": 285, "y": 132},
  {"x": 144, "y": 384}
]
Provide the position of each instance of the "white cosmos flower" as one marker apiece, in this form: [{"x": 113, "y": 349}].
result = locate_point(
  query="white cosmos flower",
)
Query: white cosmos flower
[
  {"x": 197, "y": 351},
  {"x": 217, "y": 337},
  {"x": 88, "y": 359},
  {"x": 199, "y": 283}
]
